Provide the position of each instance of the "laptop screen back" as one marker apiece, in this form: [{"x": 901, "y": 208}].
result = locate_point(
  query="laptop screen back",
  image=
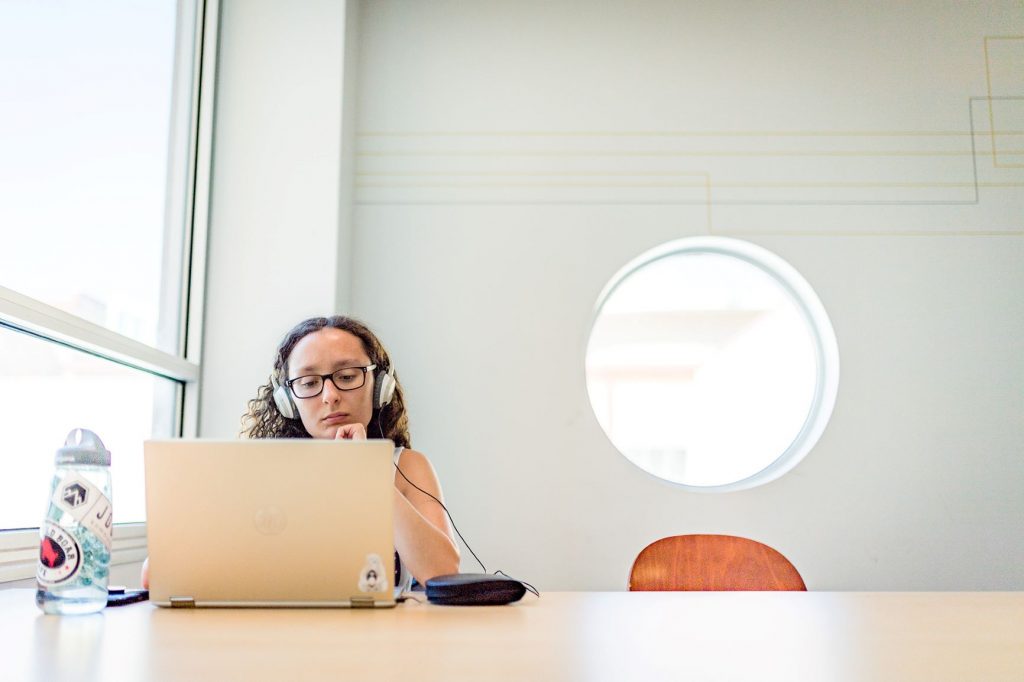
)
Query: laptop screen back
[{"x": 277, "y": 522}]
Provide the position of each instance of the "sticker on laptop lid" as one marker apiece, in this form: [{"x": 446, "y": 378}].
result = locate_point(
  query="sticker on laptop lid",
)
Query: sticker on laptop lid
[{"x": 373, "y": 577}]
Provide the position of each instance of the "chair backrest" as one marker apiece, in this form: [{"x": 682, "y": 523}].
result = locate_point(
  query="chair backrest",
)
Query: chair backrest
[{"x": 712, "y": 562}]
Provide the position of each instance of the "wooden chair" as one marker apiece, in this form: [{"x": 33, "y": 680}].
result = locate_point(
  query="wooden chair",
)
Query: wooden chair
[{"x": 713, "y": 563}]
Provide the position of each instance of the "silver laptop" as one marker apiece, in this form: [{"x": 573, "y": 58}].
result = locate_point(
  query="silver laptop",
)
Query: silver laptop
[{"x": 276, "y": 522}]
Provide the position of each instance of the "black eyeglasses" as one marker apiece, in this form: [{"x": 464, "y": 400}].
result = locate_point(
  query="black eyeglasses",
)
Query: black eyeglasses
[{"x": 345, "y": 379}]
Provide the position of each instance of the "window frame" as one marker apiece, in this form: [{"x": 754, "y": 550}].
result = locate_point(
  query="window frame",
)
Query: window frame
[{"x": 188, "y": 204}]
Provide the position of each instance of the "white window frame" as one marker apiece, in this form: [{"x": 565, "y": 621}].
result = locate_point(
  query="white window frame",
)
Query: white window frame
[
  {"x": 826, "y": 347},
  {"x": 19, "y": 548}
]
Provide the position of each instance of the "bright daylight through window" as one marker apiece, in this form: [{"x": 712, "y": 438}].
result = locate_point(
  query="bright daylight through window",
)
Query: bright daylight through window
[
  {"x": 97, "y": 128},
  {"x": 712, "y": 364}
]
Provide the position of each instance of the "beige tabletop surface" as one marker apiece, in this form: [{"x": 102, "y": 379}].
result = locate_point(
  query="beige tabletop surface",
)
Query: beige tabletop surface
[{"x": 931, "y": 637}]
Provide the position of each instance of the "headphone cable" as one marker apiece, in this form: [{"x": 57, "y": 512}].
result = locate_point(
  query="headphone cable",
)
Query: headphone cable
[
  {"x": 525, "y": 584},
  {"x": 454, "y": 527}
]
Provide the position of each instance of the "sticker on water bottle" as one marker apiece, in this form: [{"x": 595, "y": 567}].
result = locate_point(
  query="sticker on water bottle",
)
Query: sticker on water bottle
[
  {"x": 88, "y": 505},
  {"x": 59, "y": 555}
]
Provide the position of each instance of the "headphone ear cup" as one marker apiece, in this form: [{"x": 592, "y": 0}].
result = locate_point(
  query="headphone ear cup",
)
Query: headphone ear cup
[
  {"x": 283, "y": 400},
  {"x": 384, "y": 388}
]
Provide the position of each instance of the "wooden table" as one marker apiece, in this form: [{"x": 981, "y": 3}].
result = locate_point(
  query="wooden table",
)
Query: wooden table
[{"x": 561, "y": 636}]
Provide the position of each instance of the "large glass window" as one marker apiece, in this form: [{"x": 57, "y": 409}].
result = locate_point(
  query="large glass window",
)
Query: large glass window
[
  {"x": 99, "y": 148},
  {"x": 88, "y": 130},
  {"x": 51, "y": 389}
]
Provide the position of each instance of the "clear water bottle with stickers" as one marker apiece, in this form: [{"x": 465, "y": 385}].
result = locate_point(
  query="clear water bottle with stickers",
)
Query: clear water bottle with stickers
[{"x": 75, "y": 538}]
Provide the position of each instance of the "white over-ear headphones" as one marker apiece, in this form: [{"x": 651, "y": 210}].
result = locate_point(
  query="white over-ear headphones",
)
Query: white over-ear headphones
[
  {"x": 384, "y": 385},
  {"x": 283, "y": 399},
  {"x": 383, "y": 391}
]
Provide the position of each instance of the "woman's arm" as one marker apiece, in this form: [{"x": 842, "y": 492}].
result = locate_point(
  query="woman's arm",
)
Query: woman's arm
[{"x": 423, "y": 536}]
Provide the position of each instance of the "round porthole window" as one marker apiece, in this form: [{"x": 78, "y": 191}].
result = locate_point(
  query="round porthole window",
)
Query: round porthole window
[{"x": 711, "y": 363}]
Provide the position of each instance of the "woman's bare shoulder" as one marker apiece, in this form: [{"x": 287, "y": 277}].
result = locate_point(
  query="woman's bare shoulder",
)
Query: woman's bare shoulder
[{"x": 415, "y": 465}]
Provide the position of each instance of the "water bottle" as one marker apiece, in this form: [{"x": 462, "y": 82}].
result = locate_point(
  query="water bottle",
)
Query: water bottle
[{"x": 75, "y": 538}]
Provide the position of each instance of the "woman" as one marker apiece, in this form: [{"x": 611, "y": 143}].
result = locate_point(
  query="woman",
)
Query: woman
[{"x": 333, "y": 379}]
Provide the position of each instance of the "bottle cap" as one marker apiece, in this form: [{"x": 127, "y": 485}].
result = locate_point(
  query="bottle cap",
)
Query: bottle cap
[{"x": 83, "y": 447}]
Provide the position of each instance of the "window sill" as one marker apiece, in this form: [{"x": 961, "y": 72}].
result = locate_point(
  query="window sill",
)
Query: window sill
[{"x": 19, "y": 550}]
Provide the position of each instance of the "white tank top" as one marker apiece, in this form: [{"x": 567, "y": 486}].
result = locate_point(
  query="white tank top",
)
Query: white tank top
[{"x": 403, "y": 578}]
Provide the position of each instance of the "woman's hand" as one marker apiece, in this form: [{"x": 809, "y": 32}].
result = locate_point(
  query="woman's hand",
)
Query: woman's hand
[
  {"x": 145, "y": 574},
  {"x": 351, "y": 432}
]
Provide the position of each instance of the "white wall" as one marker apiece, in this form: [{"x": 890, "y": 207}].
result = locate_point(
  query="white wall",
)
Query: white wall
[
  {"x": 511, "y": 156},
  {"x": 280, "y": 221}
]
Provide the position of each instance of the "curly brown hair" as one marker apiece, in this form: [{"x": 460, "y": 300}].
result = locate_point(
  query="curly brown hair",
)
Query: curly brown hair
[{"x": 264, "y": 420}]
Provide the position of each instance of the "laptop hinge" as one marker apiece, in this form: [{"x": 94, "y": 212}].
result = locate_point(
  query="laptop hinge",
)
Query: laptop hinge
[
  {"x": 362, "y": 602},
  {"x": 183, "y": 603}
]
